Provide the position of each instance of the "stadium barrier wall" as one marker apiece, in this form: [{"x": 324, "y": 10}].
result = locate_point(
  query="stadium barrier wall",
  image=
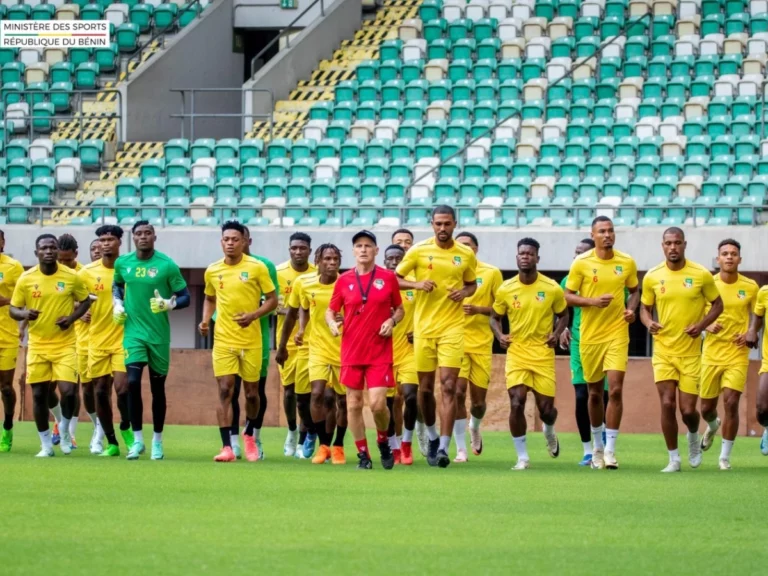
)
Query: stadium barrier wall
[
  {"x": 192, "y": 397},
  {"x": 200, "y": 56}
]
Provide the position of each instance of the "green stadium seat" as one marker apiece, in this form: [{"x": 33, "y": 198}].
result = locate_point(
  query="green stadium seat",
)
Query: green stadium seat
[
  {"x": 227, "y": 168},
  {"x": 18, "y": 210},
  {"x": 17, "y": 187},
  {"x": 177, "y": 187},
  {"x": 188, "y": 12},
  {"x": 18, "y": 168},
  {"x": 42, "y": 190},
  {"x": 201, "y": 188},
  {"x": 127, "y": 37},
  {"x": 42, "y": 168}
]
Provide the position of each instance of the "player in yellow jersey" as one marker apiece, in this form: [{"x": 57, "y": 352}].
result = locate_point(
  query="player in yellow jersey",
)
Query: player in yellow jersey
[
  {"x": 532, "y": 303},
  {"x": 10, "y": 272},
  {"x": 47, "y": 296},
  {"x": 295, "y": 375},
  {"x": 106, "y": 358},
  {"x": 234, "y": 286},
  {"x": 444, "y": 272},
  {"x": 755, "y": 325},
  {"x": 596, "y": 284},
  {"x": 680, "y": 290},
  {"x": 478, "y": 354},
  {"x": 403, "y": 366},
  {"x": 328, "y": 405},
  {"x": 725, "y": 357}
]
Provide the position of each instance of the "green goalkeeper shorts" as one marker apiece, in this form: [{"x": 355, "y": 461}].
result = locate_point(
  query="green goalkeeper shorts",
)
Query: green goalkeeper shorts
[{"x": 156, "y": 356}]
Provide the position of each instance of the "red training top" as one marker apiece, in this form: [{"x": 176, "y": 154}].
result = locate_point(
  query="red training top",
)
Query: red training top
[{"x": 360, "y": 341}]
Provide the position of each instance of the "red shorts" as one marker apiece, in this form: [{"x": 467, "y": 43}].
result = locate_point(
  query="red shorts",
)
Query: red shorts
[{"x": 374, "y": 375}]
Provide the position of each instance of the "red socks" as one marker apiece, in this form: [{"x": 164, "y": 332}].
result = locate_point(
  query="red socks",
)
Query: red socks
[
  {"x": 381, "y": 435},
  {"x": 362, "y": 446}
]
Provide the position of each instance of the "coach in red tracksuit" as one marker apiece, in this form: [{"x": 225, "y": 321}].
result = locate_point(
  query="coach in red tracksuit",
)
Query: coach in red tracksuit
[{"x": 368, "y": 296}]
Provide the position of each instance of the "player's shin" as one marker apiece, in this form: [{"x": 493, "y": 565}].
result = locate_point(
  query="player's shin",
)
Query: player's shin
[{"x": 159, "y": 404}]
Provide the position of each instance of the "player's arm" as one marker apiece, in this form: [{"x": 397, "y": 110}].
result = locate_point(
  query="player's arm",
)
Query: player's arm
[
  {"x": 755, "y": 325},
  {"x": 646, "y": 306},
  {"x": 574, "y": 299},
  {"x": 504, "y": 339},
  {"x": 716, "y": 308},
  {"x": 209, "y": 307},
  {"x": 291, "y": 316},
  {"x": 66, "y": 321},
  {"x": 273, "y": 276},
  {"x": 245, "y": 319},
  {"x": 18, "y": 306}
]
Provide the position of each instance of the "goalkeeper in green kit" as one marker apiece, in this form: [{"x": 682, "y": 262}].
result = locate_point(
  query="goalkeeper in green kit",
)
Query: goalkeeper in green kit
[{"x": 146, "y": 287}]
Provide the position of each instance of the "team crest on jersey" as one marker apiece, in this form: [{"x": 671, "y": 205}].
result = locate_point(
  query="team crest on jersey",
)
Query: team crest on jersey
[
  {"x": 688, "y": 283},
  {"x": 663, "y": 288},
  {"x": 742, "y": 294},
  {"x": 479, "y": 281},
  {"x": 351, "y": 287},
  {"x": 152, "y": 272},
  {"x": 59, "y": 286},
  {"x": 540, "y": 297},
  {"x": 618, "y": 270},
  {"x": 243, "y": 276},
  {"x": 457, "y": 260},
  {"x": 2, "y": 276},
  {"x": 378, "y": 284},
  {"x": 409, "y": 295}
]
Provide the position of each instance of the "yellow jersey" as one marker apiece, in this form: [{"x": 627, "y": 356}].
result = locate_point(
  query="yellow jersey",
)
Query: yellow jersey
[
  {"x": 286, "y": 279},
  {"x": 10, "y": 272},
  {"x": 401, "y": 348},
  {"x": 738, "y": 302},
  {"x": 530, "y": 309},
  {"x": 761, "y": 305},
  {"x": 238, "y": 288},
  {"x": 315, "y": 297},
  {"x": 592, "y": 277},
  {"x": 54, "y": 296},
  {"x": 435, "y": 315},
  {"x": 478, "y": 338},
  {"x": 680, "y": 296},
  {"x": 103, "y": 333},
  {"x": 81, "y": 328}
]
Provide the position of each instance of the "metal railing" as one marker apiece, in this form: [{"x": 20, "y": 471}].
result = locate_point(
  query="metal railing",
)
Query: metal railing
[
  {"x": 285, "y": 31},
  {"x": 512, "y": 217},
  {"x": 125, "y": 66},
  {"x": 76, "y": 115},
  {"x": 192, "y": 115}
]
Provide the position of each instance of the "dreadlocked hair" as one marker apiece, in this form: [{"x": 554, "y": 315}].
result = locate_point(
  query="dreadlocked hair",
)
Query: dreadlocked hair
[{"x": 322, "y": 248}]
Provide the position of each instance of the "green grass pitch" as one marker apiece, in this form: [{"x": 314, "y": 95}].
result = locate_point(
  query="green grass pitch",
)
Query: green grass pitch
[{"x": 186, "y": 515}]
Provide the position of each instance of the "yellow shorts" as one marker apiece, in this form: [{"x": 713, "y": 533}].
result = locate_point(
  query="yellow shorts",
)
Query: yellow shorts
[
  {"x": 405, "y": 371},
  {"x": 245, "y": 362},
  {"x": 445, "y": 352},
  {"x": 477, "y": 369},
  {"x": 540, "y": 379},
  {"x": 763, "y": 366},
  {"x": 330, "y": 373},
  {"x": 296, "y": 371},
  {"x": 686, "y": 371},
  {"x": 51, "y": 366},
  {"x": 8, "y": 358},
  {"x": 597, "y": 359},
  {"x": 715, "y": 378},
  {"x": 82, "y": 368},
  {"x": 105, "y": 362}
]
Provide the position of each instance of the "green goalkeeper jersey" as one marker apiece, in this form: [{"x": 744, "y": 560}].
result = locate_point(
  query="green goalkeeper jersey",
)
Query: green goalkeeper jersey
[{"x": 141, "y": 279}]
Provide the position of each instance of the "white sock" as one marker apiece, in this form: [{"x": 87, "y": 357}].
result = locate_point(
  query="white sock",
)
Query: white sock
[
  {"x": 587, "y": 448},
  {"x": 408, "y": 435},
  {"x": 725, "y": 449},
  {"x": 138, "y": 436},
  {"x": 94, "y": 418},
  {"x": 445, "y": 443},
  {"x": 73, "y": 425},
  {"x": 157, "y": 437},
  {"x": 474, "y": 423},
  {"x": 693, "y": 437},
  {"x": 398, "y": 441},
  {"x": 45, "y": 440},
  {"x": 674, "y": 455},
  {"x": 521, "y": 447},
  {"x": 549, "y": 430},
  {"x": 432, "y": 432},
  {"x": 99, "y": 431},
  {"x": 256, "y": 433},
  {"x": 460, "y": 433},
  {"x": 713, "y": 425},
  {"x": 234, "y": 439},
  {"x": 56, "y": 411},
  {"x": 419, "y": 428},
  {"x": 597, "y": 436},
  {"x": 392, "y": 441},
  {"x": 64, "y": 426},
  {"x": 610, "y": 439}
]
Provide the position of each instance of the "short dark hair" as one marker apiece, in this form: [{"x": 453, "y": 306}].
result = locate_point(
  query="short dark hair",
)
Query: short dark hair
[
  {"x": 141, "y": 223},
  {"x": 469, "y": 235},
  {"x": 588, "y": 241},
  {"x": 110, "y": 230},
  {"x": 2, "y": 234},
  {"x": 322, "y": 248},
  {"x": 443, "y": 209},
  {"x": 247, "y": 230},
  {"x": 94, "y": 241},
  {"x": 729, "y": 242},
  {"x": 529, "y": 242},
  {"x": 67, "y": 242},
  {"x": 674, "y": 230},
  {"x": 233, "y": 225},
  {"x": 394, "y": 247},
  {"x": 301, "y": 237},
  {"x": 601, "y": 219},
  {"x": 401, "y": 231},
  {"x": 46, "y": 237}
]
